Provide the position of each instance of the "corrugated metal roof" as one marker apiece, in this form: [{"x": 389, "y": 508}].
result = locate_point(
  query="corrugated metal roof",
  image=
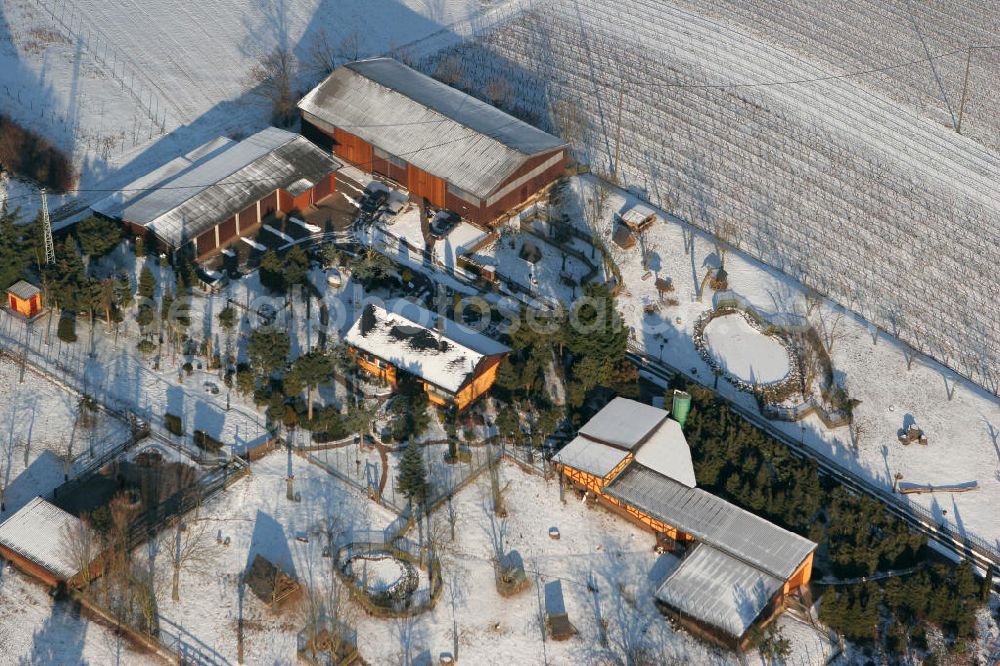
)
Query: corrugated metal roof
[
  {"x": 719, "y": 590},
  {"x": 38, "y": 532},
  {"x": 433, "y": 126},
  {"x": 23, "y": 290},
  {"x": 192, "y": 194},
  {"x": 623, "y": 422},
  {"x": 712, "y": 520},
  {"x": 589, "y": 456},
  {"x": 395, "y": 338}
]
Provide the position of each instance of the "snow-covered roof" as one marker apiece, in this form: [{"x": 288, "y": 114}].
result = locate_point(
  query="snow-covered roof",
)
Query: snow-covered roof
[
  {"x": 431, "y": 125},
  {"x": 712, "y": 520},
  {"x": 624, "y": 423},
  {"x": 667, "y": 452},
  {"x": 638, "y": 214},
  {"x": 719, "y": 590},
  {"x": 23, "y": 290},
  {"x": 191, "y": 194},
  {"x": 38, "y": 533},
  {"x": 406, "y": 335},
  {"x": 589, "y": 456}
]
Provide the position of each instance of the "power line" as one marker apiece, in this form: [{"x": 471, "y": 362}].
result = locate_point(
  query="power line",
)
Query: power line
[{"x": 827, "y": 77}]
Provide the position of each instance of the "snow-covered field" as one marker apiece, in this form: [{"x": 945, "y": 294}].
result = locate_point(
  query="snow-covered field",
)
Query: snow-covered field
[
  {"x": 964, "y": 432},
  {"x": 862, "y": 197},
  {"x": 256, "y": 516},
  {"x": 595, "y": 549},
  {"x": 104, "y": 79}
]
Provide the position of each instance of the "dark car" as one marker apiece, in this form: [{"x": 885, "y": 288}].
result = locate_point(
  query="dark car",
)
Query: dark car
[
  {"x": 373, "y": 199},
  {"x": 444, "y": 223}
]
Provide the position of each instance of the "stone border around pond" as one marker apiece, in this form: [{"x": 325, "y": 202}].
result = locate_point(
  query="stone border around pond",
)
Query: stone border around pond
[{"x": 770, "y": 393}]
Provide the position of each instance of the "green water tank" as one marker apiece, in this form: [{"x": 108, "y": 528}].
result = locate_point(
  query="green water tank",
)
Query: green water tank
[{"x": 681, "y": 406}]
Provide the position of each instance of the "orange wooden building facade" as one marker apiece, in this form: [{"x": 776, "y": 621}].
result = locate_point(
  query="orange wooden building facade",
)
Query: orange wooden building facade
[
  {"x": 478, "y": 383},
  {"x": 24, "y": 299},
  {"x": 530, "y": 178}
]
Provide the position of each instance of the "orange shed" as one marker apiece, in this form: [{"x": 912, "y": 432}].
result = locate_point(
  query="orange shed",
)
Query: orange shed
[{"x": 24, "y": 299}]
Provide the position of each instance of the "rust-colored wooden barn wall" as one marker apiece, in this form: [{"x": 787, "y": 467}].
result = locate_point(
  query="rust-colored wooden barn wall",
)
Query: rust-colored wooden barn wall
[
  {"x": 380, "y": 165},
  {"x": 423, "y": 185},
  {"x": 227, "y": 230},
  {"x": 268, "y": 204},
  {"x": 324, "y": 188},
  {"x": 524, "y": 191},
  {"x": 462, "y": 207},
  {"x": 29, "y": 567},
  {"x": 248, "y": 218},
  {"x": 353, "y": 149},
  {"x": 302, "y": 201},
  {"x": 398, "y": 174},
  {"x": 205, "y": 243}
]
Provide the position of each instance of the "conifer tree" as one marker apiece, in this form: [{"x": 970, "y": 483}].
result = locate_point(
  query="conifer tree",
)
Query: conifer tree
[
  {"x": 147, "y": 283},
  {"x": 412, "y": 474},
  {"x": 308, "y": 371}
]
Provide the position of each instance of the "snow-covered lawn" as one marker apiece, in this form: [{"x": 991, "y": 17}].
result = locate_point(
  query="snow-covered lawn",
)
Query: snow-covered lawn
[
  {"x": 34, "y": 629},
  {"x": 125, "y": 86},
  {"x": 550, "y": 278},
  {"x": 744, "y": 352},
  {"x": 256, "y": 516},
  {"x": 406, "y": 226},
  {"x": 38, "y": 426}
]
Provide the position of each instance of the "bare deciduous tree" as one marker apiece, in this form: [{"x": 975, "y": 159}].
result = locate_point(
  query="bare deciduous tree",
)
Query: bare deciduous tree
[
  {"x": 82, "y": 546},
  {"x": 272, "y": 79},
  {"x": 499, "y": 93},
  {"x": 451, "y": 70},
  {"x": 830, "y": 327},
  {"x": 860, "y": 429},
  {"x": 191, "y": 546}
]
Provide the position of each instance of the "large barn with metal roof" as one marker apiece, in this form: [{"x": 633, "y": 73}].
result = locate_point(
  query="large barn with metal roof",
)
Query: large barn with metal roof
[
  {"x": 739, "y": 568},
  {"x": 223, "y": 190},
  {"x": 445, "y": 146}
]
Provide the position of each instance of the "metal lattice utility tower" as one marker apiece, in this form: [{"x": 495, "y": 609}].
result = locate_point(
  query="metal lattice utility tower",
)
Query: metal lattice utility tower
[{"x": 50, "y": 250}]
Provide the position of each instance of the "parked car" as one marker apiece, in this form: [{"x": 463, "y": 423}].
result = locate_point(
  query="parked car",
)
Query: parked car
[
  {"x": 374, "y": 198},
  {"x": 444, "y": 223}
]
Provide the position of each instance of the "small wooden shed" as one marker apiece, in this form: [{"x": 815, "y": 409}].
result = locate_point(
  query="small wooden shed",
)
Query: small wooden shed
[
  {"x": 555, "y": 612},
  {"x": 623, "y": 237},
  {"x": 638, "y": 218},
  {"x": 24, "y": 298},
  {"x": 268, "y": 582}
]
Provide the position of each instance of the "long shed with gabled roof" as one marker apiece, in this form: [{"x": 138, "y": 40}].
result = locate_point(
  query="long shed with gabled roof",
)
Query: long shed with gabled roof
[
  {"x": 223, "y": 190},
  {"x": 636, "y": 460},
  {"x": 37, "y": 539},
  {"x": 444, "y": 145}
]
